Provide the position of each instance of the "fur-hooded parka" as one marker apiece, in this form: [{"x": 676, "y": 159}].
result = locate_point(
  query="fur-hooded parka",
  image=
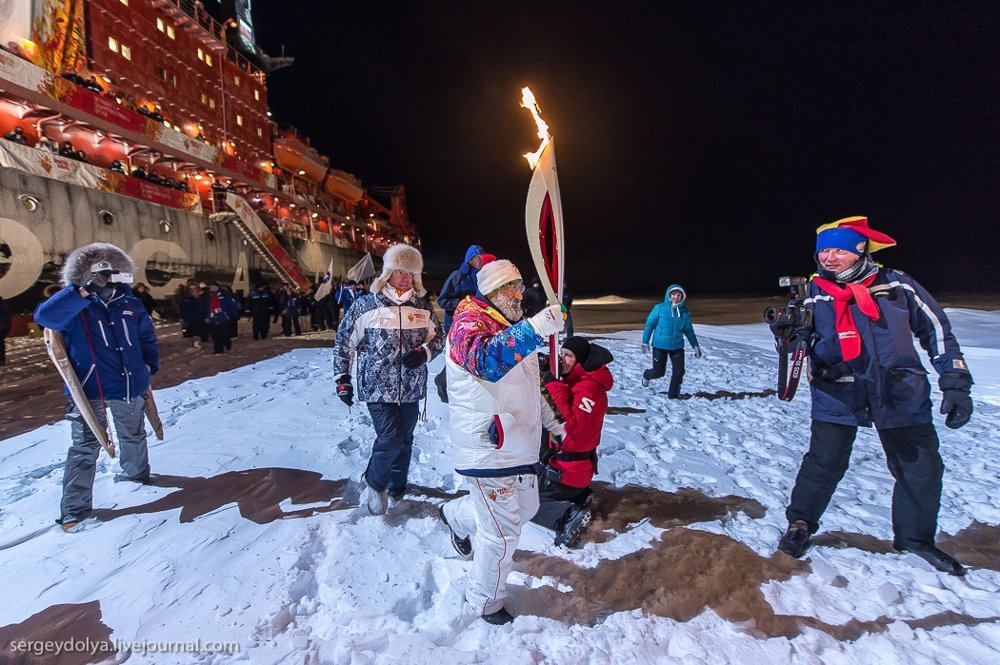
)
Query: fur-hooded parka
[{"x": 77, "y": 269}]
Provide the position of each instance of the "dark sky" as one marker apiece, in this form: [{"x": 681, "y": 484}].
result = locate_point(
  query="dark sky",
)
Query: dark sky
[{"x": 697, "y": 142}]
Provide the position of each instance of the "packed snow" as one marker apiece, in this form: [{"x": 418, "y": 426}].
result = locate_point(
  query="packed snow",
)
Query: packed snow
[{"x": 252, "y": 549}]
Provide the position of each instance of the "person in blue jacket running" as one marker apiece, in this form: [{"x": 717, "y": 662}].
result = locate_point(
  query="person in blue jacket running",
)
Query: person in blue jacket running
[{"x": 666, "y": 327}]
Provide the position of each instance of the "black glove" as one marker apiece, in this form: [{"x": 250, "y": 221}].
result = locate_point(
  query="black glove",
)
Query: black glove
[
  {"x": 957, "y": 403},
  {"x": 548, "y": 377},
  {"x": 98, "y": 281},
  {"x": 782, "y": 330},
  {"x": 345, "y": 391},
  {"x": 414, "y": 358}
]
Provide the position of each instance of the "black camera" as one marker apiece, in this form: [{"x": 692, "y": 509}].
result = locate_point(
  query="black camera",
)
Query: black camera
[{"x": 784, "y": 320}]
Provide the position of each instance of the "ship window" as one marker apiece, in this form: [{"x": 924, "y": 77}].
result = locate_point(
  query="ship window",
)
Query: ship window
[
  {"x": 236, "y": 79},
  {"x": 126, "y": 52},
  {"x": 170, "y": 32},
  {"x": 107, "y": 217},
  {"x": 204, "y": 98},
  {"x": 125, "y": 2},
  {"x": 239, "y": 120},
  {"x": 113, "y": 44},
  {"x": 165, "y": 226},
  {"x": 260, "y": 132},
  {"x": 160, "y": 25},
  {"x": 256, "y": 95},
  {"x": 163, "y": 73},
  {"x": 210, "y": 234},
  {"x": 208, "y": 59},
  {"x": 30, "y": 204},
  {"x": 211, "y": 103},
  {"x": 173, "y": 80},
  {"x": 201, "y": 55}
]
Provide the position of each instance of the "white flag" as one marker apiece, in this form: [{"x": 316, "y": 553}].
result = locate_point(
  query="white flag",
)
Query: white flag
[
  {"x": 362, "y": 270},
  {"x": 326, "y": 284}
]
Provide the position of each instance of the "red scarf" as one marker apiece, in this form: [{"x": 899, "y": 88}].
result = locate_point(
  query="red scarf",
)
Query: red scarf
[{"x": 847, "y": 331}]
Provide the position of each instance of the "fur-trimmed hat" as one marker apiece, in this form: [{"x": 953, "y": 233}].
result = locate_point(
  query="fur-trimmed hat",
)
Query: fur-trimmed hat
[
  {"x": 495, "y": 273},
  {"x": 77, "y": 268},
  {"x": 401, "y": 257}
]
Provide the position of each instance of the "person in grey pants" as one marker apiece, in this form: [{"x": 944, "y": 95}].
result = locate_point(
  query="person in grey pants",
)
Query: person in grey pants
[{"x": 111, "y": 343}]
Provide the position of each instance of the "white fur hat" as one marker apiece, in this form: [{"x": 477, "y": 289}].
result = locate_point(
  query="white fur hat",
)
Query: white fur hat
[
  {"x": 401, "y": 257},
  {"x": 495, "y": 273}
]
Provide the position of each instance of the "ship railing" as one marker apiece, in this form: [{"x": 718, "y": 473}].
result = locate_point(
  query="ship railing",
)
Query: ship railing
[{"x": 197, "y": 12}]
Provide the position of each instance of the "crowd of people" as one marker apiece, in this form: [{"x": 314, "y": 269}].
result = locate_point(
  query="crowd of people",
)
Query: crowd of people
[{"x": 525, "y": 429}]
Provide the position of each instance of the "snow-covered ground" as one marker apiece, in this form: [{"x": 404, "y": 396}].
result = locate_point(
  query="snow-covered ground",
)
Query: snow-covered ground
[{"x": 253, "y": 539}]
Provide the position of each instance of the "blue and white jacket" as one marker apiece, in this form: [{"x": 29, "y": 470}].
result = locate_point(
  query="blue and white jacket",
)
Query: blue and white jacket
[
  {"x": 375, "y": 333},
  {"x": 120, "y": 352},
  {"x": 886, "y": 385}
]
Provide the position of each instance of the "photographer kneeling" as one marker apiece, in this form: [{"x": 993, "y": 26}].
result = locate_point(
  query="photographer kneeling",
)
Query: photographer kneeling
[
  {"x": 864, "y": 371},
  {"x": 580, "y": 397}
]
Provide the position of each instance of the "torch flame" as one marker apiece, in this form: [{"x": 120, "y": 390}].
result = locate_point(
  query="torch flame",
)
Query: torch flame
[{"x": 528, "y": 102}]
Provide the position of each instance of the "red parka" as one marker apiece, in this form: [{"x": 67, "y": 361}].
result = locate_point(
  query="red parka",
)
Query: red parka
[{"x": 581, "y": 401}]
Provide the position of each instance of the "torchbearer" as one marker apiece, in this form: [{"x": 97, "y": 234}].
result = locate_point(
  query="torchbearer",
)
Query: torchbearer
[{"x": 496, "y": 416}]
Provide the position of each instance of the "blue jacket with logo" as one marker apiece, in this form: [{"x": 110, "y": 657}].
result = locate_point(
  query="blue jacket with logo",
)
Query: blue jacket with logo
[
  {"x": 111, "y": 343},
  {"x": 459, "y": 284},
  {"x": 886, "y": 384},
  {"x": 667, "y": 325}
]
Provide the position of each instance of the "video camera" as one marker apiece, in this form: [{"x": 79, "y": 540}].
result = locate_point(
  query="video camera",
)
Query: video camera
[{"x": 784, "y": 320}]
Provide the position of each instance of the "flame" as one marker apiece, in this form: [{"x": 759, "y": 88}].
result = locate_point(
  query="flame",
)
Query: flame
[{"x": 528, "y": 102}]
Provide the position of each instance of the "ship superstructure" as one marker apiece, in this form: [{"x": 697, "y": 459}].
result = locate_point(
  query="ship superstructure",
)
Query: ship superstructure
[{"x": 145, "y": 123}]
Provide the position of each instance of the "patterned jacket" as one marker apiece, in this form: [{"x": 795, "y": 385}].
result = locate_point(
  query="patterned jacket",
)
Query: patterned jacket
[
  {"x": 375, "y": 333},
  {"x": 494, "y": 396}
]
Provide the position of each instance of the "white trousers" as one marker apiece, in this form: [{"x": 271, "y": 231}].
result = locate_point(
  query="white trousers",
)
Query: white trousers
[{"x": 492, "y": 514}]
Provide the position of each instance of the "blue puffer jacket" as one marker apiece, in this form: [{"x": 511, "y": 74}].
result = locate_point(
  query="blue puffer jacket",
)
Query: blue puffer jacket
[
  {"x": 886, "y": 385},
  {"x": 121, "y": 352},
  {"x": 375, "y": 333},
  {"x": 668, "y": 325},
  {"x": 459, "y": 284}
]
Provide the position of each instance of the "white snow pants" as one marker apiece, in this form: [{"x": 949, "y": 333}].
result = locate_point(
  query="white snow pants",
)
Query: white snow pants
[{"x": 492, "y": 514}]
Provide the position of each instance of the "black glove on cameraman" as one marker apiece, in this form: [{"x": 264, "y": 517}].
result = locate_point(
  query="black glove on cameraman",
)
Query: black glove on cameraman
[
  {"x": 345, "y": 391},
  {"x": 956, "y": 405},
  {"x": 782, "y": 330},
  {"x": 414, "y": 358}
]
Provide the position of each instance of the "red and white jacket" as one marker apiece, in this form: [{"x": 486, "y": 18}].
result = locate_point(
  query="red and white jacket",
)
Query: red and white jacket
[{"x": 581, "y": 401}]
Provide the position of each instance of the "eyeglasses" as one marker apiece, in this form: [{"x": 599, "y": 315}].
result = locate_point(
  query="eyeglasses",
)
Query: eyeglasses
[{"x": 517, "y": 285}]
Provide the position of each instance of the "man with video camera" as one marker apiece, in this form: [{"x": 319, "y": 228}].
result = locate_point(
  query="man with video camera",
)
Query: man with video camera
[{"x": 865, "y": 370}]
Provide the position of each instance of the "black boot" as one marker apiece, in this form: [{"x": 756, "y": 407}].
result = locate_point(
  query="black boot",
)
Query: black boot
[
  {"x": 795, "y": 540},
  {"x": 498, "y": 618},
  {"x": 940, "y": 560}
]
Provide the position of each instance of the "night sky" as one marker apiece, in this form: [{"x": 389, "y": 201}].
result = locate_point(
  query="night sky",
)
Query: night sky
[{"x": 697, "y": 142}]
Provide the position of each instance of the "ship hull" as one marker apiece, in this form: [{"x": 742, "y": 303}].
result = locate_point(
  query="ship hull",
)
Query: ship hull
[{"x": 169, "y": 245}]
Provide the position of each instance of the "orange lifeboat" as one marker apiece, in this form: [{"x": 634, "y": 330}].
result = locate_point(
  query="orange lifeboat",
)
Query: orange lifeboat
[
  {"x": 297, "y": 157},
  {"x": 344, "y": 186}
]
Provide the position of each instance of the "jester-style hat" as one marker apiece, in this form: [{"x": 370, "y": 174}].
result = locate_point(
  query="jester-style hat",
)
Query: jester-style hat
[{"x": 851, "y": 234}]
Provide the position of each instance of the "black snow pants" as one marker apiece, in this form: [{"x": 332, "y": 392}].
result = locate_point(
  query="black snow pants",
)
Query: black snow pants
[
  {"x": 261, "y": 325},
  {"x": 660, "y": 368},
  {"x": 555, "y": 502},
  {"x": 912, "y": 457}
]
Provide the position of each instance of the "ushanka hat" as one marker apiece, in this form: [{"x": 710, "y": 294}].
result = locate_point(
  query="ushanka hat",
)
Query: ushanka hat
[
  {"x": 495, "y": 273},
  {"x": 853, "y": 235},
  {"x": 405, "y": 258}
]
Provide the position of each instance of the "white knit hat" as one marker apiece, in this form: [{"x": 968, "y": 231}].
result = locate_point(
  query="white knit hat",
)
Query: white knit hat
[
  {"x": 401, "y": 257},
  {"x": 495, "y": 273}
]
